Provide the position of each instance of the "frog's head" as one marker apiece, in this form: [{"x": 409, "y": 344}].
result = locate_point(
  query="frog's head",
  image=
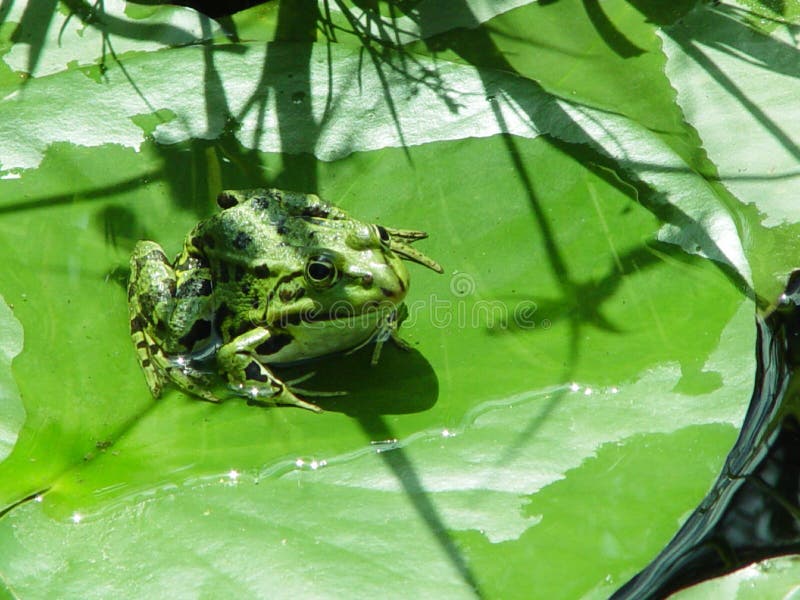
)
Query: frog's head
[
  {"x": 323, "y": 265},
  {"x": 355, "y": 266},
  {"x": 349, "y": 268},
  {"x": 342, "y": 281}
]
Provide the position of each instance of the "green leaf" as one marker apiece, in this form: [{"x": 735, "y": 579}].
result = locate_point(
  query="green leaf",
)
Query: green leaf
[{"x": 576, "y": 378}]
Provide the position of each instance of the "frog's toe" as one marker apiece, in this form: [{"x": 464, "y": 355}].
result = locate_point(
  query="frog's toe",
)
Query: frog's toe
[
  {"x": 204, "y": 394},
  {"x": 284, "y": 397},
  {"x": 400, "y": 342},
  {"x": 288, "y": 397},
  {"x": 292, "y": 385},
  {"x": 317, "y": 393}
]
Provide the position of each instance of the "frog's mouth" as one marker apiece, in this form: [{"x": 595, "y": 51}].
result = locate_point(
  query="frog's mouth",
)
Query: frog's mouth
[{"x": 400, "y": 244}]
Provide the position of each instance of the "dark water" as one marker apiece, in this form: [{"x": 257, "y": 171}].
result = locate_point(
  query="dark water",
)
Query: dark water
[{"x": 753, "y": 510}]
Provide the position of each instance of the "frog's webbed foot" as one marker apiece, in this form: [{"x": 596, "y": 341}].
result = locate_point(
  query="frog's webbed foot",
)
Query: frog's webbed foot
[
  {"x": 238, "y": 360},
  {"x": 160, "y": 369},
  {"x": 289, "y": 394},
  {"x": 189, "y": 379},
  {"x": 265, "y": 387}
]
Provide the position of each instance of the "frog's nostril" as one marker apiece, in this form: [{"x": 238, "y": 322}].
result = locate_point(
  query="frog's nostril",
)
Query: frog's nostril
[{"x": 366, "y": 280}]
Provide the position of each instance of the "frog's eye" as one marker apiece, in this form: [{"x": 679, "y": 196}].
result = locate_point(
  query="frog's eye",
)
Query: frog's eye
[
  {"x": 383, "y": 236},
  {"x": 320, "y": 271}
]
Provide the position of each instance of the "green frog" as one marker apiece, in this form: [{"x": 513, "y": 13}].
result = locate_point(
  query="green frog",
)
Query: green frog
[{"x": 274, "y": 278}]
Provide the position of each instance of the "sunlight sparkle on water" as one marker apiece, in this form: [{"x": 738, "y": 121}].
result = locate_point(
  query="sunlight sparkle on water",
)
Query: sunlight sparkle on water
[
  {"x": 38, "y": 498},
  {"x": 587, "y": 391},
  {"x": 447, "y": 433},
  {"x": 313, "y": 464},
  {"x": 233, "y": 474},
  {"x": 77, "y": 518},
  {"x": 574, "y": 386}
]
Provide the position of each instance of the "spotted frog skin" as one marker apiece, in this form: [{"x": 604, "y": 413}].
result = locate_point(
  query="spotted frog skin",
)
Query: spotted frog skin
[{"x": 274, "y": 278}]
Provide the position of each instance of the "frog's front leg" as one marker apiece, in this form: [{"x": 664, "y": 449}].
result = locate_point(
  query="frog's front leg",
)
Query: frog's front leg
[{"x": 238, "y": 360}]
